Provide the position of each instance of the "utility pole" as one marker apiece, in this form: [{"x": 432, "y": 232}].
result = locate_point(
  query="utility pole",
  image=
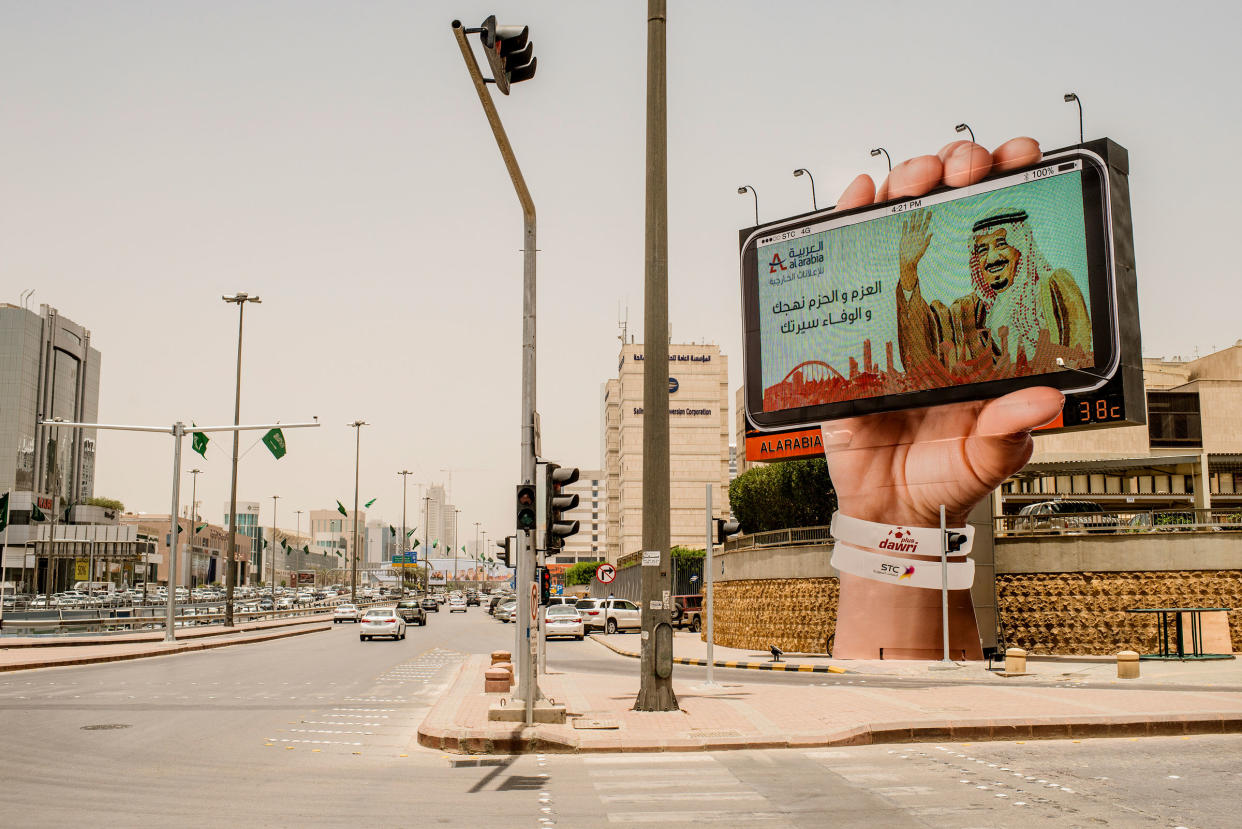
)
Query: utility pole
[
  {"x": 353, "y": 574},
  {"x": 405, "y": 478},
  {"x": 240, "y": 300},
  {"x": 272, "y": 546},
  {"x": 655, "y": 692},
  {"x": 193, "y": 520},
  {"x": 501, "y": 42}
]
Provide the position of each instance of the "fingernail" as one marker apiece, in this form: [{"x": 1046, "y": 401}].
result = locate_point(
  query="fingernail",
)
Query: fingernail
[{"x": 837, "y": 438}]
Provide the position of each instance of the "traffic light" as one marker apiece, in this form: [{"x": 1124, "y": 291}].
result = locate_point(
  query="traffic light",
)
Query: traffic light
[
  {"x": 545, "y": 585},
  {"x": 559, "y": 527},
  {"x": 506, "y": 550},
  {"x": 953, "y": 541},
  {"x": 725, "y": 528},
  {"x": 525, "y": 507},
  {"x": 509, "y": 53}
]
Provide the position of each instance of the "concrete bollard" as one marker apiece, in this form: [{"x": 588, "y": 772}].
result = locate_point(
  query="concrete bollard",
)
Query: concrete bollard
[
  {"x": 1127, "y": 665},
  {"x": 501, "y": 656},
  {"x": 496, "y": 681},
  {"x": 1015, "y": 661},
  {"x": 507, "y": 667}
]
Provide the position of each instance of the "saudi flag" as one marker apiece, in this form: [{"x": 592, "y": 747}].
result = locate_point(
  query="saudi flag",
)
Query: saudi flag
[
  {"x": 4, "y": 511},
  {"x": 392, "y": 530},
  {"x": 410, "y": 532},
  {"x": 341, "y": 509},
  {"x": 199, "y": 443},
  {"x": 369, "y": 503},
  {"x": 275, "y": 441},
  {"x": 435, "y": 544},
  {"x": 36, "y": 514},
  {"x": 200, "y": 528},
  {"x": 306, "y": 549},
  {"x": 414, "y": 546}
]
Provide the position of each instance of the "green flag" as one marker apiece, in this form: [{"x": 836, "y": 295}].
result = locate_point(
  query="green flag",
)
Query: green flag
[
  {"x": 341, "y": 509},
  {"x": 306, "y": 549},
  {"x": 414, "y": 546},
  {"x": 4, "y": 511},
  {"x": 463, "y": 548},
  {"x": 200, "y": 528},
  {"x": 275, "y": 441},
  {"x": 199, "y": 443},
  {"x": 410, "y": 532},
  {"x": 392, "y": 530},
  {"x": 36, "y": 514},
  {"x": 369, "y": 503},
  {"x": 435, "y": 544}
]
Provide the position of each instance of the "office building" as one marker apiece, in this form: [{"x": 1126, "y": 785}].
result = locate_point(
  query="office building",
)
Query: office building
[
  {"x": 333, "y": 533},
  {"x": 698, "y": 445},
  {"x": 248, "y": 525},
  {"x": 590, "y": 543}
]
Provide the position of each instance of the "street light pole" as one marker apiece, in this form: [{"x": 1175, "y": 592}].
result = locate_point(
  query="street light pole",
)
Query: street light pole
[
  {"x": 240, "y": 300},
  {"x": 272, "y": 546},
  {"x": 405, "y": 479},
  {"x": 353, "y": 574},
  {"x": 456, "y": 513},
  {"x": 798, "y": 173},
  {"x": 476, "y": 540},
  {"x": 193, "y": 519},
  {"x": 426, "y": 550}
]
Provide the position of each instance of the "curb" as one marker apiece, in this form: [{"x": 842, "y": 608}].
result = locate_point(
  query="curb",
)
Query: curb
[
  {"x": 188, "y": 647},
  {"x": 182, "y": 634},
  {"x": 792, "y": 667},
  {"x": 439, "y": 731}
]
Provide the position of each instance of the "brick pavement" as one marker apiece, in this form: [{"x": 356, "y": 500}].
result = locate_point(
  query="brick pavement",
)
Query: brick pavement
[{"x": 971, "y": 705}]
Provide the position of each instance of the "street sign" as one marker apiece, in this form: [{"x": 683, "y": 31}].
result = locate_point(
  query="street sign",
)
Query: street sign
[
  {"x": 605, "y": 573},
  {"x": 534, "y": 600}
]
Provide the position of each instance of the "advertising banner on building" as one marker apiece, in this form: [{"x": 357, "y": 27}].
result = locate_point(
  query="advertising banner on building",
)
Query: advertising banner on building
[
  {"x": 305, "y": 577},
  {"x": 444, "y": 570}
]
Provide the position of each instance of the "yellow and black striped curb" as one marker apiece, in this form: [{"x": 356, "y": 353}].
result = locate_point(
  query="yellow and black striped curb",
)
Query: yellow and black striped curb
[{"x": 791, "y": 667}]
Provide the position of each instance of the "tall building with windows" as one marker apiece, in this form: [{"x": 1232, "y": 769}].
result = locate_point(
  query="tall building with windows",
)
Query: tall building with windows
[
  {"x": 441, "y": 529},
  {"x": 48, "y": 369},
  {"x": 333, "y": 534},
  {"x": 698, "y": 442},
  {"x": 247, "y": 524}
]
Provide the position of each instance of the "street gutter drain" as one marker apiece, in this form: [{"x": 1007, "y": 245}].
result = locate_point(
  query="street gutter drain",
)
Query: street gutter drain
[
  {"x": 105, "y": 726},
  {"x": 714, "y": 732},
  {"x": 583, "y": 723}
]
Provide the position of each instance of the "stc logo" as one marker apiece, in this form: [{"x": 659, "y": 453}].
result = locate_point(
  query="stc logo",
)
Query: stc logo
[
  {"x": 907, "y": 574},
  {"x": 899, "y": 540},
  {"x": 776, "y": 264}
]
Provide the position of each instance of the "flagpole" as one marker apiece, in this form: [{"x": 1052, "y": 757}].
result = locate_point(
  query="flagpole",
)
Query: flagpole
[{"x": 4, "y": 550}]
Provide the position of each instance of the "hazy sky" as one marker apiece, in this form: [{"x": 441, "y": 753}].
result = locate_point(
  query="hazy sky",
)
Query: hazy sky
[{"x": 333, "y": 158}]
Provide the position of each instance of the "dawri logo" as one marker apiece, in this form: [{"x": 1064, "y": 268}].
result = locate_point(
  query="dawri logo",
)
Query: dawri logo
[
  {"x": 899, "y": 540},
  {"x": 907, "y": 573}
]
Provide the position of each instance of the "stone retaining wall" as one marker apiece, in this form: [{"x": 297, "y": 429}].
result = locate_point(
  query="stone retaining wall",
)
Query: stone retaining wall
[
  {"x": 796, "y": 615},
  {"x": 1084, "y": 613}
]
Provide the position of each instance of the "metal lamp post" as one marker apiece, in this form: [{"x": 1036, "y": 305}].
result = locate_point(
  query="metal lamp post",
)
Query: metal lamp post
[
  {"x": 353, "y": 573},
  {"x": 798, "y": 173},
  {"x": 405, "y": 478},
  {"x": 240, "y": 300},
  {"x": 887, "y": 157},
  {"x": 1073, "y": 96},
  {"x": 272, "y": 546},
  {"x": 741, "y": 191},
  {"x": 966, "y": 128},
  {"x": 193, "y": 520}
]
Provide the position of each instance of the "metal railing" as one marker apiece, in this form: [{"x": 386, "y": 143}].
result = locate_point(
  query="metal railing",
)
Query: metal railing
[
  {"x": 1120, "y": 522},
  {"x": 790, "y": 537}
]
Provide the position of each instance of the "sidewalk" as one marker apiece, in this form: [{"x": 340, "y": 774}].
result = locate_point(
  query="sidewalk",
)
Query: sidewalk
[
  {"x": 25, "y": 653},
  {"x": 966, "y": 704}
]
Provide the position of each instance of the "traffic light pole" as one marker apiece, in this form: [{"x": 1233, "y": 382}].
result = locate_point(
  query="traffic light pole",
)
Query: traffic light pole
[{"x": 528, "y": 687}]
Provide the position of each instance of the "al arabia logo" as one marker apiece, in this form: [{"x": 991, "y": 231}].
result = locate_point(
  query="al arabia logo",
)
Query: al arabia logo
[
  {"x": 907, "y": 574},
  {"x": 776, "y": 264},
  {"x": 900, "y": 540}
]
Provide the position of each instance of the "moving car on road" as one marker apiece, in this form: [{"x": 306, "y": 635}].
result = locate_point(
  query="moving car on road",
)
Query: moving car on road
[
  {"x": 346, "y": 613},
  {"x": 411, "y": 610},
  {"x": 563, "y": 620},
  {"x": 505, "y": 610},
  {"x": 457, "y": 603},
  {"x": 382, "y": 621},
  {"x": 688, "y": 612},
  {"x": 430, "y": 603}
]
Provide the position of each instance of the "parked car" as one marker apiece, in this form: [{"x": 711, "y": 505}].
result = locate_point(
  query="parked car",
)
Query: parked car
[
  {"x": 430, "y": 603},
  {"x": 346, "y": 613},
  {"x": 411, "y": 610},
  {"x": 563, "y": 620},
  {"x": 382, "y": 621},
  {"x": 569, "y": 600},
  {"x": 1065, "y": 514},
  {"x": 688, "y": 612},
  {"x": 494, "y": 601},
  {"x": 457, "y": 603},
  {"x": 506, "y": 609},
  {"x": 610, "y": 615}
]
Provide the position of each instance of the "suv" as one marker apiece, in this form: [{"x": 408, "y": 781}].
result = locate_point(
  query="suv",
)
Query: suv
[
  {"x": 412, "y": 611},
  {"x": 430, "y": 603},
  {"x": 1065, "y": 515},
  {"x": 609, "y": 614},
  {"x": 688, "y": 612}
]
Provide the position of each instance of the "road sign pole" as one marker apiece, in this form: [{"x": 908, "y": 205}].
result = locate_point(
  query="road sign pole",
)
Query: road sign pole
[{"x": 707, "y": 581}]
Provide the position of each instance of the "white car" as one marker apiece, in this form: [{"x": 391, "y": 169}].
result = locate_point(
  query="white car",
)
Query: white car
[
  {"x": 382, "y": 621},
  {"x": 610, "y": 614},
  {"x": 346, "y": 613},
  {"x": 457, "y": 603},
  {"x": 563, "y": 620}
]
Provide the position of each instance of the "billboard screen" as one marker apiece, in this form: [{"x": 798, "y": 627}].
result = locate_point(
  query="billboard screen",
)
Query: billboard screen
[{"x": 961, "y": 294}]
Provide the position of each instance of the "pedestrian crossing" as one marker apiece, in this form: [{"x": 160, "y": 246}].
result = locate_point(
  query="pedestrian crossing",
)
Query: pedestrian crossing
[{"x": 676, "y": 790}]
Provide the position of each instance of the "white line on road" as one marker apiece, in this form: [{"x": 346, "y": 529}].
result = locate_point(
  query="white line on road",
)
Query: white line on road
[{"x": 738, "y": 818}]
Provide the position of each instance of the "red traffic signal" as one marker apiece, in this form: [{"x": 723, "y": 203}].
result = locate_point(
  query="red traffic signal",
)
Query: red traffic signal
[{"x": 509, "y": 53}]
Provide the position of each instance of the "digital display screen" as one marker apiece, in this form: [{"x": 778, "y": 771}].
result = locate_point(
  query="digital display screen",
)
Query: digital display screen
[{"x": 959, "y": 287}]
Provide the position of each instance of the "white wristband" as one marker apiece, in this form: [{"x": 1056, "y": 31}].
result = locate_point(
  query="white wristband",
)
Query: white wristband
[
  {"x": 899, "y": 540},
  {"x": 847, "y": 558}
]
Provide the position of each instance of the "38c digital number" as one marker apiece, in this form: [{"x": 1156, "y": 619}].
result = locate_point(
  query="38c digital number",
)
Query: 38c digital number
[{"x": 1100, "y": 409}]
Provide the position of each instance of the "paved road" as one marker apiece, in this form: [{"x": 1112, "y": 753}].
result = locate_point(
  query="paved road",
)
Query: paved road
[{"x": 319, "y": 731}]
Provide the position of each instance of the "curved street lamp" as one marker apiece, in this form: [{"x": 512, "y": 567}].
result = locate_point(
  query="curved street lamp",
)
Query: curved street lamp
[
  {"x": 798, "y": 173},
  {"x": 966, "y": 128},
  {"x": 741, "y": 191},
  {"x": 887, "y": 157},
  {"x": 1073, "y": 96}
]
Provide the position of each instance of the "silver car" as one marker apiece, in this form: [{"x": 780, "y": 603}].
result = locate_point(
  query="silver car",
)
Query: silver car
[{"x": 563, "y": 620}]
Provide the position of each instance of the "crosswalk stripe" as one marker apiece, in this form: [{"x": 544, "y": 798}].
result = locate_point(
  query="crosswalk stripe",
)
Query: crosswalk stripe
[{"x": 738, "y": 818}]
